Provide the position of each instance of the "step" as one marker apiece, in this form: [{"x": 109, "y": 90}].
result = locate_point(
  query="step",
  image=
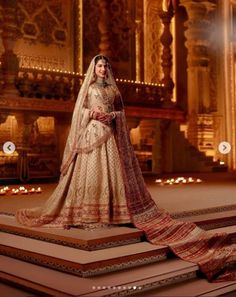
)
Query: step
[
  {"x": 209, "y": 221},
  {"x": 9, "y": 291},
  {"x": 80, "y": 262},
  {"x": 122, "y": 283},
  {"x": 192, "y": 288},
  {"x": 74, "y": 237}
]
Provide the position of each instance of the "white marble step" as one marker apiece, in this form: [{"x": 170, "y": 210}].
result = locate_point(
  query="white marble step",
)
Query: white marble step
[
  {"x": 127, "y": 282},
  {"x": 80, "y": 262}
]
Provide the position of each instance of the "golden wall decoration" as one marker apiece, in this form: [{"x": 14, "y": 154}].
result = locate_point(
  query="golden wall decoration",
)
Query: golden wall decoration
[
  {"x": 42, "y": 21},
  {"x": 46, "y": 34}
]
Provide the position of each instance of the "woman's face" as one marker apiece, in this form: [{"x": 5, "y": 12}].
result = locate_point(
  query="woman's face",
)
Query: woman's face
[{"x": 101, "y": 68}]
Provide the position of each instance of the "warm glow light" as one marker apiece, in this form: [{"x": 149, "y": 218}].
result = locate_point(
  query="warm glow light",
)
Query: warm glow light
[
  {"x": 21, "y": 190},
  {"x": 177, "y": 181},
  {"x": 38, "y": 190},
  {"x": 198, "y": 180}
]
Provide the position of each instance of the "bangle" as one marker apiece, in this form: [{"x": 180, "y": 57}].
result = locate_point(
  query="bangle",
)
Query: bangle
[
  {"x": 91, "y": 114},
  {"x": 113, "y": 115}
]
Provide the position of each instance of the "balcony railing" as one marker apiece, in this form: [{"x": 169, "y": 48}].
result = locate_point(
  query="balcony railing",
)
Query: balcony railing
[{"x": 64, "y": 86}]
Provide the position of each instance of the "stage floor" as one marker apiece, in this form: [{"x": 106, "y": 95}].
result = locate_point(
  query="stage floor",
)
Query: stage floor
[{"x": 216, "y": 190}]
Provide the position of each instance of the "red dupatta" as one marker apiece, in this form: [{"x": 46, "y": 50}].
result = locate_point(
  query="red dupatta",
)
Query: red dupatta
[{"x": 211, "y": 251}]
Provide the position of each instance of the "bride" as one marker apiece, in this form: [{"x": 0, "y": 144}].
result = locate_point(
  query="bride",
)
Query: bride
[{"x": 101, "y": 182}]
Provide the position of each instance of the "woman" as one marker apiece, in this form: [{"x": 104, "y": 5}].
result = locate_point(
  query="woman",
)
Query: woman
[
  {"x": 101, "y": 181},
  {"x": 91, "y": 189}
]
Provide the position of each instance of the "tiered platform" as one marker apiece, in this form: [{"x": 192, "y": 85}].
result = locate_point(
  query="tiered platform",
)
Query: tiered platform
[{"x": 116, "y": 261}]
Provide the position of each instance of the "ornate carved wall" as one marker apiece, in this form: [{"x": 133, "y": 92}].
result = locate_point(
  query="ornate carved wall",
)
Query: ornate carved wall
[{"x": 45, "y": 34}]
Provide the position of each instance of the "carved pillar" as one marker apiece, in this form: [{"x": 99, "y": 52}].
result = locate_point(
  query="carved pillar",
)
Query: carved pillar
[
  {"x": 104, "y": 26},
  {"x": 138, "y": 36},
  {"x": 166, "y": 40},
  {"x": 10, "y": 62},
  {"x": 25, "y": 122},
  {"x": 197, "y": 35}
]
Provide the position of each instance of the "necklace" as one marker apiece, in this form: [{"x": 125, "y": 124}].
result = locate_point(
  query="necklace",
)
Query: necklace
[{"x": 101, "y": 82}]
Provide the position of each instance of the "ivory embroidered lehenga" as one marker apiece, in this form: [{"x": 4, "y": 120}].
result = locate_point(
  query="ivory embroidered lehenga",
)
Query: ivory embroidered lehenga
[{"x": 101, "y": 182}]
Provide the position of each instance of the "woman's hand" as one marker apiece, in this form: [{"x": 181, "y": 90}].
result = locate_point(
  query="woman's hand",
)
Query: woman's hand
[{"x": 105, "y": 118}]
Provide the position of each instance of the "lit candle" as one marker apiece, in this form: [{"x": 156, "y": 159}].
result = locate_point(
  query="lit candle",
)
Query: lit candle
[
  {"x": 32, "y": 190},
  {"x": 198, "y": 180},
  {"x": 158, "y": 181},
  {"x": 13, "y": 192},
  {"x": 2, "y": 192},
  {"x": 25, "y": 192},
  {"x": 190, "y": 180},
  {"x": 38, "y": 190}
]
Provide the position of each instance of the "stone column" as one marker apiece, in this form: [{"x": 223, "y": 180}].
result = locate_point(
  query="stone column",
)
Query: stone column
[
  {"x": 10, "y": 62},
  {"x": 197, "y": 35},
  {"x": 166, "y": 40}
]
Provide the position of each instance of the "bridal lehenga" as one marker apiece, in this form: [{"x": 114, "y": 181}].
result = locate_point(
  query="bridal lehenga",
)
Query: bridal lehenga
[{"x": 101, "y": 183}]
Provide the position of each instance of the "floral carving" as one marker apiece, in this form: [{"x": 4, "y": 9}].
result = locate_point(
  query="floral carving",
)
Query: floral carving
[{"x": 42, "y": 21}]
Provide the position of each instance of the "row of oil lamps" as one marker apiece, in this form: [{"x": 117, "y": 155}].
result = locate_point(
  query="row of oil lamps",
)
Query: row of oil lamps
[
  {"x": 178, "y": 180},
  {"x": 19, "y": 191}
]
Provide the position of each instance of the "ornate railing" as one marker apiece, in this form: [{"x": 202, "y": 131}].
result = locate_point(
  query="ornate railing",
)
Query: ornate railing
[{"x": 52, "y": 84}]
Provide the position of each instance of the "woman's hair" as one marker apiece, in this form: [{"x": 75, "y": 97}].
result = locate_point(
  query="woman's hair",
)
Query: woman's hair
[{"x": 101, "y": 57}]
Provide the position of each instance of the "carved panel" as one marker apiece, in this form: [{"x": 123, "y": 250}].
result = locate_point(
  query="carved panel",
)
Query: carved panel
[
  {"x": 46, "y": 34},
  {"x": 42, "y": 21}
]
